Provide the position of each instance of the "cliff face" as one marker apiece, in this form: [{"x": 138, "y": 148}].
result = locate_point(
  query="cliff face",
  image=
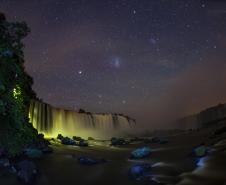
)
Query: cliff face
[
  {"x": 204, "y": 118},
  {"x": 212, "y": 115}
]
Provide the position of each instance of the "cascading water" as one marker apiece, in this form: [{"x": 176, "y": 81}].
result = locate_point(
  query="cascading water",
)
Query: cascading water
[{"x": 53, "y": 121}]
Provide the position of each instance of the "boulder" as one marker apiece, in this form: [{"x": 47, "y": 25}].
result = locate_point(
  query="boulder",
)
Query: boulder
[
  {"x": 117, "y": 141},
  {"x": 140, "y": 171},
  {"x": 76, "y": 138},
  {"x": 68, "y": 141},
  {"x": 60, "y": 137},
  {"x": 33, "y": 153},
  {"x": 40, "y": 136},
  {"x": 83, "y": 143},
  {"x": 4, "y": 162},
  {"x": 12, "y": 169},
  {"x": 141, "y": 153},
  {"x": 200, "y": 151},
  {"x": 26, "y": 171}
]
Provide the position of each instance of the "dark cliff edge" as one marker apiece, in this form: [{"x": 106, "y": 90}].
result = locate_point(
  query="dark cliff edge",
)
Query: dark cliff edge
[{"x": 205, "y": 118}]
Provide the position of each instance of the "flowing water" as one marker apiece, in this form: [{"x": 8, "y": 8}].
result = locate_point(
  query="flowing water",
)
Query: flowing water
[{"x": 53, "y": 121}]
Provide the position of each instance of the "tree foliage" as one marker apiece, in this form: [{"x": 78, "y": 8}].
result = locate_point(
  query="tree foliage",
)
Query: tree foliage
[{"x": 15, "y": 88}]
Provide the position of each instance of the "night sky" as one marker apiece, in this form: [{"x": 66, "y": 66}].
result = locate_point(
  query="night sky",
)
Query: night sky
[{"x": 148, "y": 59}]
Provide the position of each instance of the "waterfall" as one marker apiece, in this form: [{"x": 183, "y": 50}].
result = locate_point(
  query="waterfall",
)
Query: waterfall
[{"x": 52, "y": 121}]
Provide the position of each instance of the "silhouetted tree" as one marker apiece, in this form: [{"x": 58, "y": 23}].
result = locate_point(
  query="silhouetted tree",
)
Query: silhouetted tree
[{"x": 15, "y": 88}]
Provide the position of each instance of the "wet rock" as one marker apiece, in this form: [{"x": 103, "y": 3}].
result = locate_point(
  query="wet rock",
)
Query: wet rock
[
  {"x": 4, "y": 162},
  {"x": 40, "y": 136},
  {"x": 68, "y": 141},
  {"x": 60, "y": 137},
  {"x": 26, "y": 171},
  {"x": 33, "y": 153},
  {"x": 200, "y": 151},
  {"x": 117, "y": 141},
  {"x": 141, "y": 153},
  {"x": 12, "y": 169},
  {"x": 83, "y": 143},
  {"x": 90, "y": 161},
  {"x": 140, "y": 171},
  {"x": 76, "y": 138}
]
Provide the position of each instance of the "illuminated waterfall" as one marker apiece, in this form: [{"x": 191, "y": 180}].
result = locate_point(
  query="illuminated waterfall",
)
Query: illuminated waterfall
[{"x": 53, "y": 121}]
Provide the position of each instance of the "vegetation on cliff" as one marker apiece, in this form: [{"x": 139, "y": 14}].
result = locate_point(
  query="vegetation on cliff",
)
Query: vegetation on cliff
[{"x": 15, "y": 89}]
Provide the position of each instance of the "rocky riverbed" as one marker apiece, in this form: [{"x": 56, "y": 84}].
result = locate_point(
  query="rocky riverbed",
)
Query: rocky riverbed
[{"x": 187, "y": 158}]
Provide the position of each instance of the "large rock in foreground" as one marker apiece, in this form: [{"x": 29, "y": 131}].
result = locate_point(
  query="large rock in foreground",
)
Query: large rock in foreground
[
  {"x": 26, "y": 171},
  {"x": 141, "y": 153}
]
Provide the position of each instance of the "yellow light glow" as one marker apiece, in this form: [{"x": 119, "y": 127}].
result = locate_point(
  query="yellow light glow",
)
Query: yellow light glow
[{"x": 17, "y": 92}]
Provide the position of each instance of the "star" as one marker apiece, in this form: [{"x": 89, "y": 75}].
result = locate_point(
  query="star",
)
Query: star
[
  {"x": 80, "y": 72},
  {"x": 116, "y": 62}
]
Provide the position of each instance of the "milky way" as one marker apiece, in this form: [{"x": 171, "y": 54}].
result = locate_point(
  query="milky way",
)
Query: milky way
[{"x": 144, "y": 58}]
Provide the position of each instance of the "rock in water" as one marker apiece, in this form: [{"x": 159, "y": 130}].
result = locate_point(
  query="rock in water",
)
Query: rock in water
[
  {"x": 33, "y": 153},
  {"x": 200, "y": 151},
  {"x": 83, "y": 143},
  {"x": 68, "y": 141},
  {"x": 138, "y": 172},
  {"x": 141, "y": 153},
  {"x": 26, "y": 171},
  {"x": 76, "y": 138},
  {"x": 60, "y": 137},
  {"x": 117, "y": 141}
]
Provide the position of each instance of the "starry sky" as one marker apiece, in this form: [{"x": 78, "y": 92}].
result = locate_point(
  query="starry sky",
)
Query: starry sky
[{"x": 154, "y": 60}]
